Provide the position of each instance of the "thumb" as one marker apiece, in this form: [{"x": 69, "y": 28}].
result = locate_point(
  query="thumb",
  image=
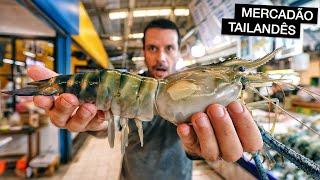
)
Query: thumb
[{"x": 37, "y": 73}]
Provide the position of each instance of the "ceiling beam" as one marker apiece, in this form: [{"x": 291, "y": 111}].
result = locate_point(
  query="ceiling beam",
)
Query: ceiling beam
[
  {"x": 103, "y": 30},
  {"x": 107, "y": 11},
  {"x": 127, "y": 29},
  {"x": 172, "y": 17}
]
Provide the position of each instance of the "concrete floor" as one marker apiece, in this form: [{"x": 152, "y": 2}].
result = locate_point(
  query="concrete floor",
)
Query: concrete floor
[{"x": 95, "y": 160}]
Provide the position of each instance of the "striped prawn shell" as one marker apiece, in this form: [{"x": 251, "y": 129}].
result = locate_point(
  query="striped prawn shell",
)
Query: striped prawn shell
[
  {"x": 126, "y": 95},
  {"x": 121, "y": 95}
]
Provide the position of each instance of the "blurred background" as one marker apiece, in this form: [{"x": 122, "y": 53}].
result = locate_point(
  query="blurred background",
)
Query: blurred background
[{"x": 73, "y": 36}]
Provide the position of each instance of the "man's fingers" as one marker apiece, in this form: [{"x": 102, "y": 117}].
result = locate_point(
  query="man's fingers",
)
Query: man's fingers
[
  {"x": 229, "y": 143},
  {"x": 207, "y": 140},
  {"x": 188, "y": 138},
  {"x": 247, "y": 130},
  {"x": 63, "y": 108},
  {"x": 44, "y": 102},
  {"x": 37, "y": 73},
  {"x": 98, "y": 123},
  {"x": 81, "y": 119}
]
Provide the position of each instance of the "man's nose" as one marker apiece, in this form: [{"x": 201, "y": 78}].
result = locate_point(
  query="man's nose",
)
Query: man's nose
[{"x": 162, "y": 56}]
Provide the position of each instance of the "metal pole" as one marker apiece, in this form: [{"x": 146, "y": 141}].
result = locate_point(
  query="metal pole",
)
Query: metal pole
[
  {"x": 13, "y": 67},
  {"x": 62, "y": 66}
]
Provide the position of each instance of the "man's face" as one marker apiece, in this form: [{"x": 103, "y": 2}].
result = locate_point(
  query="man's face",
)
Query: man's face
[{"x": 161, "y": 51}]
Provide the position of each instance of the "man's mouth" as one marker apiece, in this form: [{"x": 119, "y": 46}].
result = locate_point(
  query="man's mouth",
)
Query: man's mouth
[
  {"x": 161, "y": 72},
  {"x": 161, "y": 69}
]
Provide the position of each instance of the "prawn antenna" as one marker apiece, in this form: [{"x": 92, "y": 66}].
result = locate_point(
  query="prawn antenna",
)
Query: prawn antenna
[{"x": 262, "y": 96}]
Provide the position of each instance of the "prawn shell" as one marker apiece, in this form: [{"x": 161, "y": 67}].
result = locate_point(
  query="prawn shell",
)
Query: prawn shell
[
  {"x": 205, "y": 88},
  {"x": 74, "y": 84},
  {"x": 146, "y": 99},
  {"x": 89, "y": 87},
  {"x": 128, "y": 93},
  {"x": 108, "y": 88}
]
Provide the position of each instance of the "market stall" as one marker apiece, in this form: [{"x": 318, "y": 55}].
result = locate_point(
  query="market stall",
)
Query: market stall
[{"x": 33, "y": 33}]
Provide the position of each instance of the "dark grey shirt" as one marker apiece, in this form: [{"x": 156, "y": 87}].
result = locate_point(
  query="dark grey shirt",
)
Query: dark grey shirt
[{"x": 161, "y": 157}]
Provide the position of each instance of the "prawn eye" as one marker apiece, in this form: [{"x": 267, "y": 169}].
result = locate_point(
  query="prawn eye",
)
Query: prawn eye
[
  {"x": 242, "y": 68},
  {"x": 243, "y": 81}
]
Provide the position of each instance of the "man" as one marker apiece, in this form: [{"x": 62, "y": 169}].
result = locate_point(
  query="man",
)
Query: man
[{"x": 217, "y": 133}]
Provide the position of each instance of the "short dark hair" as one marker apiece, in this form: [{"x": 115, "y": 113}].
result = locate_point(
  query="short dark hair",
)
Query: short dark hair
[{"x": 163, "y": 24}]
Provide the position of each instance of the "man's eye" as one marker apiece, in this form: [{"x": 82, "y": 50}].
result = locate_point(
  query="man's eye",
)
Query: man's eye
[
  {"x": 152, "y": 48},
  {"x": 170, "y": 48}
]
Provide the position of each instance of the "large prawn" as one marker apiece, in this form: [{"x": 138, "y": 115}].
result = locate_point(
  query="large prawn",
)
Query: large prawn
[{"x": 125, "y": 96}]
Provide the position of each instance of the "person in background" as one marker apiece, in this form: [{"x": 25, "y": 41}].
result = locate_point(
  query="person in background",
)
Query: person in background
[{"x": 220, "y": 132}]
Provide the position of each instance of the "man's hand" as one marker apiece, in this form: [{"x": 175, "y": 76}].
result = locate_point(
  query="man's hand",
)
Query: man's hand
[
  {"x": 221, "y": 132},
  {"x": 65, "y": 111}
]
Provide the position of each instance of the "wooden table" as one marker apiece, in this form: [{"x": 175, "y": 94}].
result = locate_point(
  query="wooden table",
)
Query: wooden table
[
  {"x": 29, "y": 131},
  {"x": 304, "y": 104}
]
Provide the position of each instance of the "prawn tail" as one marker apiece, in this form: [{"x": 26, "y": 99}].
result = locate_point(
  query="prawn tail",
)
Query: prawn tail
[
  {"x": 34, "y": 89},
  {"x": 27, "y": 91}
]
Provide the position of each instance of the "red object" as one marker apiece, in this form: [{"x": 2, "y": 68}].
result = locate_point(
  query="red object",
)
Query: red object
[
  {"x": 21, "y": 107},
  {"x": 22, "y": 164},
  {"x": 3, "y": 166}
]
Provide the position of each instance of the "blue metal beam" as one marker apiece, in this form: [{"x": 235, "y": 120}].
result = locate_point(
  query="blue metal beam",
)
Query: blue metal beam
[
  {"x": 62, "y": 66},
  {"x": 63, "y": 54},
  {"x": 65, "y": 14}
]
